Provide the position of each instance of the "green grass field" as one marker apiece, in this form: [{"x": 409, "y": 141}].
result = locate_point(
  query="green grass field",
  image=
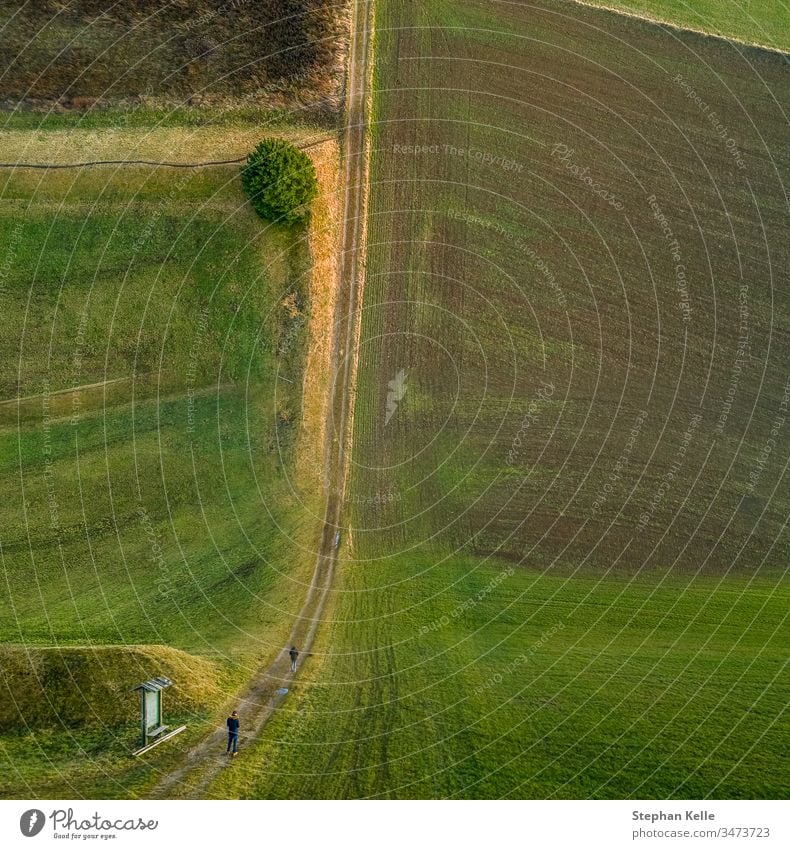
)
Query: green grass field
[
  {"x": 545, "y": 687},
  {"x": 156, "y": 505},
  {"x": 765, "y": 22},
  {"x": 566, "y": 573}
]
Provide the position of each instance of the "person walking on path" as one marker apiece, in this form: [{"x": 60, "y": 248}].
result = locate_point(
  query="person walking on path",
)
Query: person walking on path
[
  {"x": 233, "y": 733},
  {"x": 294, "y": 653}
]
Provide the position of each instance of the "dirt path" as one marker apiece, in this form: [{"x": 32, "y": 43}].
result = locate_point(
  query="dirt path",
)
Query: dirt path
[{"x": 204, "y": 762}]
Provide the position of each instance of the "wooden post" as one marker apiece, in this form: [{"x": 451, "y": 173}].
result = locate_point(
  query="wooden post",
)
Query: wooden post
[{"x": 143, "y": 722}]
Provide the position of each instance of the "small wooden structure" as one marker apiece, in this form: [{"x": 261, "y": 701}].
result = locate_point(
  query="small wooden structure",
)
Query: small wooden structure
[{"x": 152, "y": 729}]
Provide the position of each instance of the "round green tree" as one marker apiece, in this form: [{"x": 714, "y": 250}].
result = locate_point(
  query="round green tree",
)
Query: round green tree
[{"x": 280, "y": 181}]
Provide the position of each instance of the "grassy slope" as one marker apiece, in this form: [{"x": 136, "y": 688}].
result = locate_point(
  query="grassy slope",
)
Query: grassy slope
[
  {"x": 444, "y": 674},
  {"x": 162, "y": 511},
  {"x": 86, "y": 720},
  {"x": 764, "y": 22}
]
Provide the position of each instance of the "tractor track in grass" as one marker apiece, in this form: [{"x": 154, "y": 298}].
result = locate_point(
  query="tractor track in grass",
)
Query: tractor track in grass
[{"x": 203, "y": 763}]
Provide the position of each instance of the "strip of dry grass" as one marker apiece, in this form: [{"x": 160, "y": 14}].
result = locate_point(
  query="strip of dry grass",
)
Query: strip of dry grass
[
  {"x": 160, "y": 144},
  {"x": 324, "y": 242}
]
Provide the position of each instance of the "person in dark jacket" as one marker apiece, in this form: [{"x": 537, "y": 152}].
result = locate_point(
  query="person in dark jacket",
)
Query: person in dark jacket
[
  {"x": 233, "y": 733},
  {"x": 294, "y": 653}
]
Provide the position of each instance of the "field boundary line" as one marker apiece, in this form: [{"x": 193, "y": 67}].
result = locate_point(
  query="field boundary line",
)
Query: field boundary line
[
  {"x": 69, "y": 389},
  {"x": 47, "y": 166},
  {"x": 162, "y": 391}
]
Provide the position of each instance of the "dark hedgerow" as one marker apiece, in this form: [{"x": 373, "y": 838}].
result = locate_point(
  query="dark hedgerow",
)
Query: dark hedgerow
[{"x": 280, "y": 180}]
